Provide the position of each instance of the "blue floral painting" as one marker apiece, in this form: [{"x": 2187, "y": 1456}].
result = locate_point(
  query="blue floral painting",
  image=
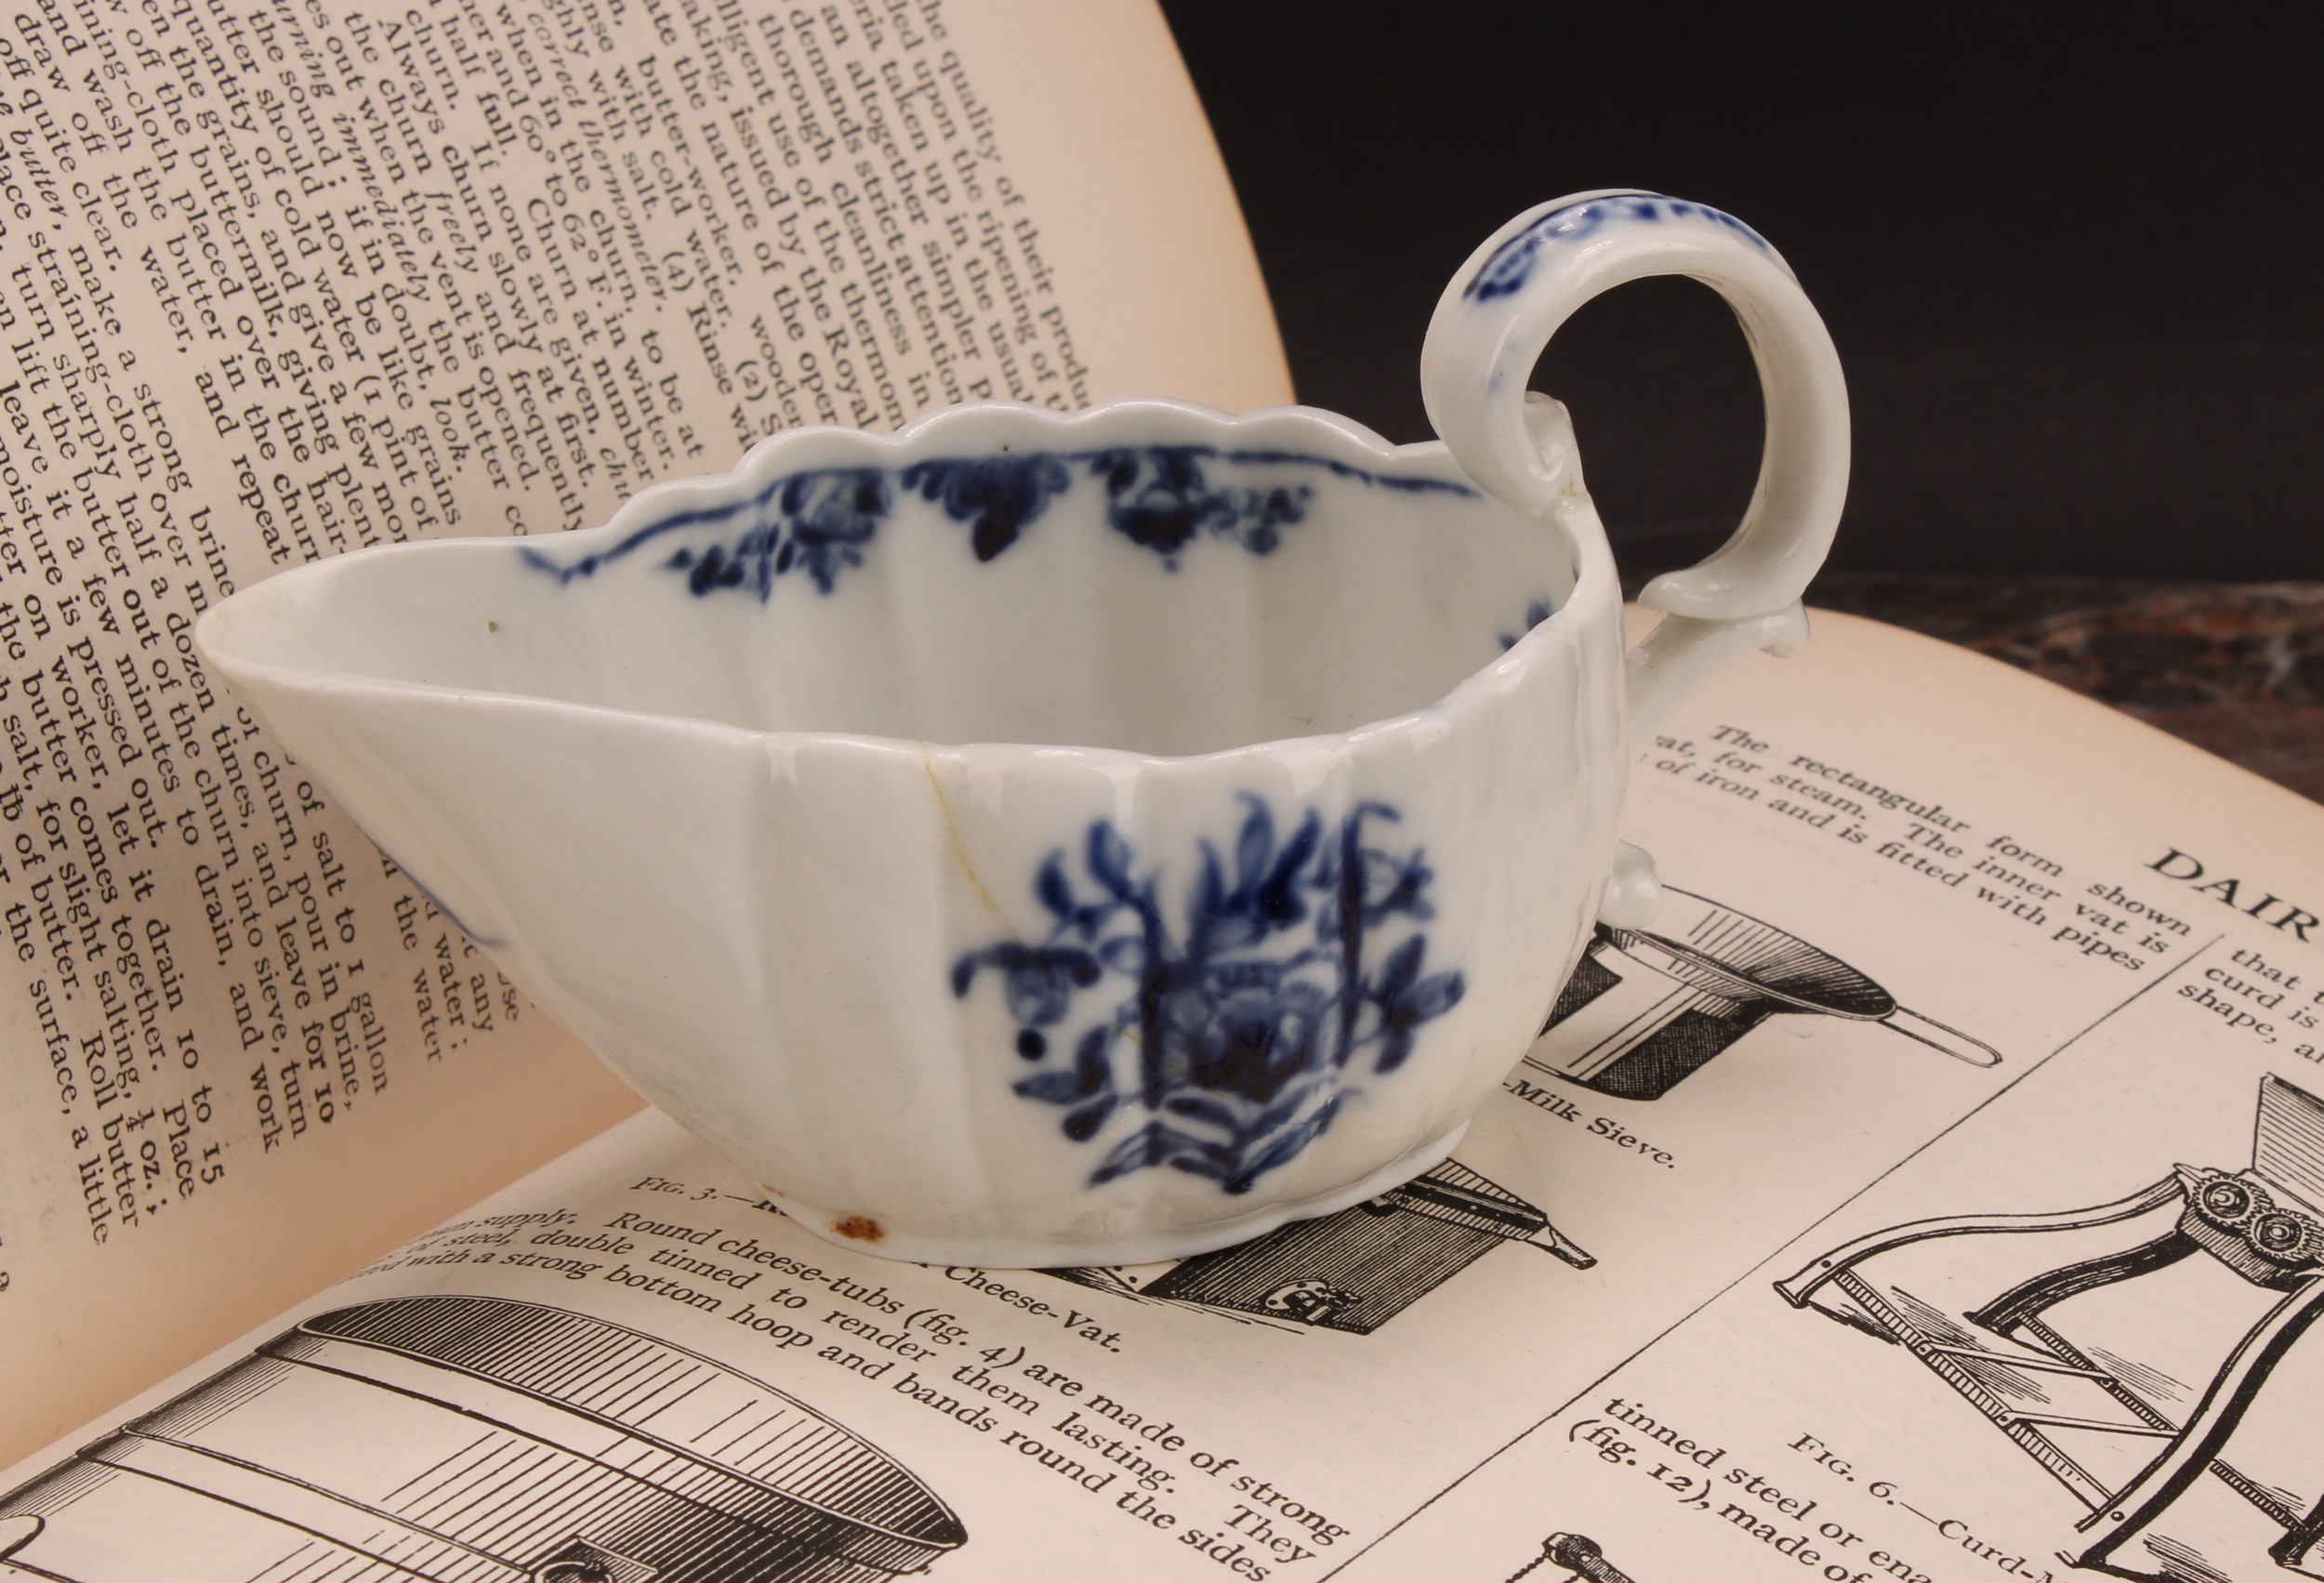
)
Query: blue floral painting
[
  {"x": 1537, "y": 612},
  {"x": 819, "y": 522},
  {"x": 1233, "y": 1027}
]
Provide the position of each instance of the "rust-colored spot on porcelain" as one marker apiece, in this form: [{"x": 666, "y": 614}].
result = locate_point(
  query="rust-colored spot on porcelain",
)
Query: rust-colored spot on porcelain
[{"x": 862, "y": 1228}]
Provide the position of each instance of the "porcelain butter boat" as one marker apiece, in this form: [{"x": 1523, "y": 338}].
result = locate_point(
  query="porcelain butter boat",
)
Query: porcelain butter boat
[{"x": 1039, "y": 839}]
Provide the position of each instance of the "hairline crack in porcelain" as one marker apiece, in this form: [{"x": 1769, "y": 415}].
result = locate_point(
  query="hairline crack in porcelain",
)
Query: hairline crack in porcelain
[{"x": 1037, "y": 840}]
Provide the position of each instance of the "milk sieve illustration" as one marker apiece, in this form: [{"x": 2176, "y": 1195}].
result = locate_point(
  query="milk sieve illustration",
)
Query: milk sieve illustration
[{"x": 1648, "y": 1008}]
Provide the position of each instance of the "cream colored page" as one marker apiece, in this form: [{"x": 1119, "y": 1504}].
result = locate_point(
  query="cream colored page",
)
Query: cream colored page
[
  {"x": 279, "y": 282},
  {"x": 2066, "y": 1334},
  {"x": 1365, "y": 1394},
  {"x": 1175, "y": 303}
]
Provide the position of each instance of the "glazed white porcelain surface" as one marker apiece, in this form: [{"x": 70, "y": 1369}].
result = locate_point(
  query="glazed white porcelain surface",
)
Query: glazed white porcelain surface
[{"x": 1037, "y": 840}]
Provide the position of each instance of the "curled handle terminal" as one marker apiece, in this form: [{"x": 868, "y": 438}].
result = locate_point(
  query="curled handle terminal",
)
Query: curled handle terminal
[{"x": 1491, "y": 326}]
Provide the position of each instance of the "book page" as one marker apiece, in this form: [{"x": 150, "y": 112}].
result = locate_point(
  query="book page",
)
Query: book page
[
  {"x": 280, "y": 282},
  {"x": 2068, "y": 1330},
  {"x": 1937, "y": 945}
]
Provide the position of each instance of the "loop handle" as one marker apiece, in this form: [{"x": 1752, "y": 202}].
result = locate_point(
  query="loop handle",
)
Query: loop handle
[
  {"x": 1514, "y": 292},
  {"x": 1490, "y": 328}
]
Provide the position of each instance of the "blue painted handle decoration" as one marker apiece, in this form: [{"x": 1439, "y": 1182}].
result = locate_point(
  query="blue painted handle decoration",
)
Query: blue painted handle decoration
[{"x": 1509, "y": 265}]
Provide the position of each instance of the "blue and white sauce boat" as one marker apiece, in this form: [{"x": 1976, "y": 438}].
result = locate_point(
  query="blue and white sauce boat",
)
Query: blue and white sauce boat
[{"x": 1037, "y": 840}]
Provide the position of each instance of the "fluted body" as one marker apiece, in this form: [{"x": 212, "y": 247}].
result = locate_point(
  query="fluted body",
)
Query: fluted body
[
  {"x": 1025, "y": 841},
  {"x": 1037, "y": 840}
]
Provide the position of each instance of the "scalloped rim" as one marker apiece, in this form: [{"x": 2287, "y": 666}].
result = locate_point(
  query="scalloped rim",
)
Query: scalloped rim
[
  {"x": 941, "y": 1543},
  {"x": 980, "y": 424}
]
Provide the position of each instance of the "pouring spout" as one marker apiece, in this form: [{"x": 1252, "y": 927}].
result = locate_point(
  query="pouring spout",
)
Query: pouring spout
[{"x": 1938, "y": 1036}]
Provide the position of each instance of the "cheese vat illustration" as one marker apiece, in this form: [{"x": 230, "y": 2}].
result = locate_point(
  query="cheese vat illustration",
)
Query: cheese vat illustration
[
  {"x": 1358, "y": 1269},
  {"x": 475, "y": 1440}
]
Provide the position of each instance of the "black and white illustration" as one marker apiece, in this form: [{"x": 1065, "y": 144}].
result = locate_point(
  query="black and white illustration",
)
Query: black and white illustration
[
  {"x": 1647, "y": 1008},
  {"x": 1575, "y": 1556},
  {"x": 2156, "y": 1354},
  {"x": 474, "y": 1440},
  {"x": 1358, "y": 1269}
]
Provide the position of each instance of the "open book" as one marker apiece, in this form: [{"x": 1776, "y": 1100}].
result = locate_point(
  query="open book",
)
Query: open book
[
  {"x": 281, "y": 284},
  {"x": 1933, "y": 1192}
]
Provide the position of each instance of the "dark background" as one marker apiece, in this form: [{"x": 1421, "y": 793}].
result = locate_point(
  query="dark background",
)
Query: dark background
[{"x": 2071, "y": 255}]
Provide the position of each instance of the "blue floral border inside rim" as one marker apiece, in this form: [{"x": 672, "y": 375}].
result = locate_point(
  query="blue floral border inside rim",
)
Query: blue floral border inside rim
[
  {"x": 820, "y": 521},
  {"x": 1506, "y": 272},
  {"x": 1231, "y": 1037},
  {"x": 1537, "y": 612}
]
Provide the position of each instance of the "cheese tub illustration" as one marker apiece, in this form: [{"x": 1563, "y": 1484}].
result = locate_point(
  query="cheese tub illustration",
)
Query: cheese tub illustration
[{"x": 475, "y": 1440}]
